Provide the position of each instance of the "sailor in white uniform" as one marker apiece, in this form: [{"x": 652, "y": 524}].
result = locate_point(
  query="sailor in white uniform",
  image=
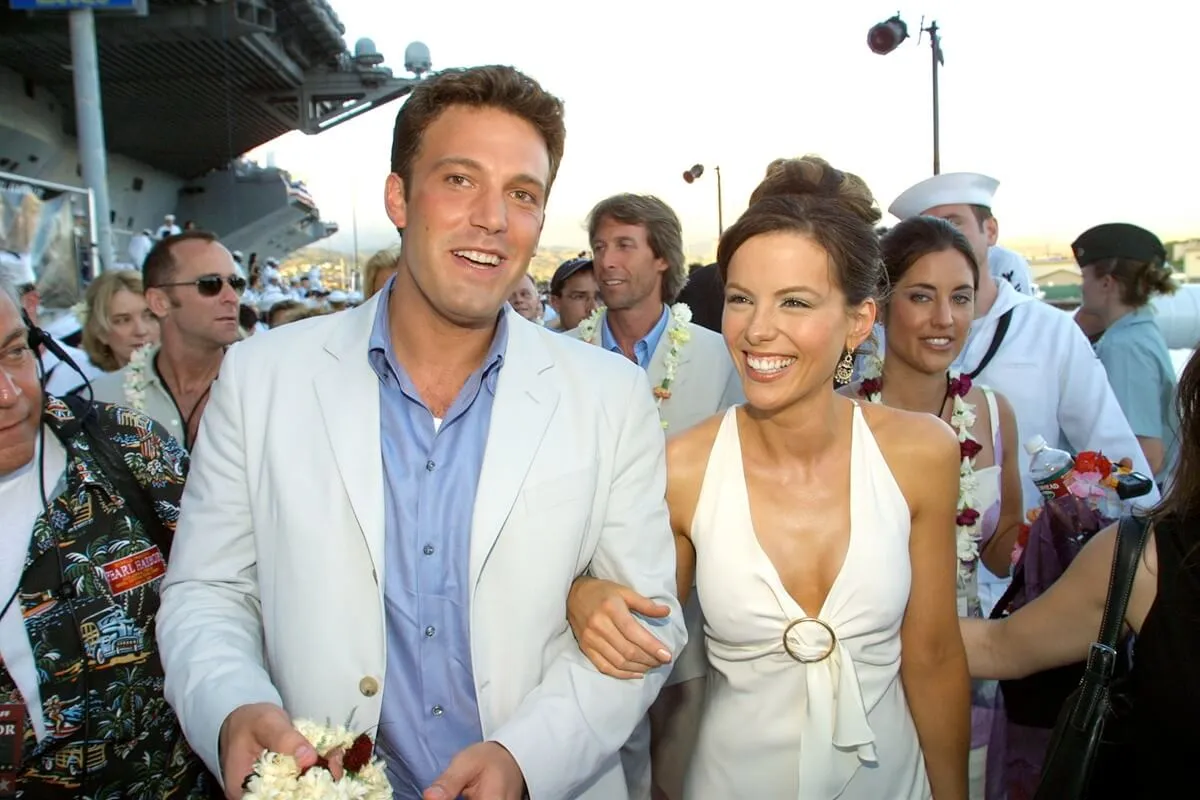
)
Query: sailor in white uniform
[
  {"x": 1029, "y": 351},
  {"x": 168, "y": 228}
]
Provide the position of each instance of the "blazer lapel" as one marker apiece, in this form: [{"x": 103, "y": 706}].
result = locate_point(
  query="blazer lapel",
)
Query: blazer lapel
[
  {"x": 348, "y": 393},
  {"x": 526, "y": 397},
  {"x": 657, "y": 370}
]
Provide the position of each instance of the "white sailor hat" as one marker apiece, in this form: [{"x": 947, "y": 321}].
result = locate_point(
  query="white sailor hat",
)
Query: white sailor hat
[
  {"x": 951, "y": 189},
  {"x": 337, "y": 296}
]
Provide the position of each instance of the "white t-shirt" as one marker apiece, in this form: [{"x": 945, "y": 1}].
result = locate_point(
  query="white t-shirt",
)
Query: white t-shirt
[{"x": 21, "y": 503}]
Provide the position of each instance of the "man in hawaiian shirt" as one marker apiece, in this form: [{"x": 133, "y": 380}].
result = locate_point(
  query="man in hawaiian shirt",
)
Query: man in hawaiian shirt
[{"x": 89, "y": 495}]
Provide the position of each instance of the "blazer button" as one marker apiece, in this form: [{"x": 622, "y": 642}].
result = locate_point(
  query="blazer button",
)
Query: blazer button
[{"x": 368, "y": 686}]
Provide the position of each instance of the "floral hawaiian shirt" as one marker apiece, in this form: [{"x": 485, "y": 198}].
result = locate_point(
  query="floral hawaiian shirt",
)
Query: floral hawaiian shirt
[{"x": 89, "y": 593}]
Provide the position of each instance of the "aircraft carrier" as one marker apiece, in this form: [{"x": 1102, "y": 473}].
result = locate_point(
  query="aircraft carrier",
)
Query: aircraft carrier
[{"x": 186, "y": 90}]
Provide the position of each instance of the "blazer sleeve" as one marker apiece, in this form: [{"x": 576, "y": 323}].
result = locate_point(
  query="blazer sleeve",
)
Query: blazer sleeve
[
  {"x": 210, "y": 632},
  {"x": 1088, "y": 412},
  {"x": 574, "y": 723}
]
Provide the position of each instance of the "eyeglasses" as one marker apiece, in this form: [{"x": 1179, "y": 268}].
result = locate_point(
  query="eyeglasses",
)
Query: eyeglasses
[{"x": 210, "y": 285}]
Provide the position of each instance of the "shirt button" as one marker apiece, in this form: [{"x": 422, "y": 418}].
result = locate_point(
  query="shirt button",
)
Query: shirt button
[
  {"x": 368, "y": 686},
  {"x": 430, "y": 631},
  {"x": 437, "y": 711},
  {"x": 430, "y": 466},
  {"x": 428, "y": 550}
]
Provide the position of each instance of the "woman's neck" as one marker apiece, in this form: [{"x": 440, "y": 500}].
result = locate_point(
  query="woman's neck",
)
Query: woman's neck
[
  {"x": 910, "y": 389},
  {"x": 1114, "y": 312},
  {"x": 802, "y": 432}
]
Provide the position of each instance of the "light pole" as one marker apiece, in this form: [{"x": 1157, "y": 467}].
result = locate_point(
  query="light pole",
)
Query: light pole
[
  {"x": 886, "y": 36},
  {"x": 695, "y": 172}
]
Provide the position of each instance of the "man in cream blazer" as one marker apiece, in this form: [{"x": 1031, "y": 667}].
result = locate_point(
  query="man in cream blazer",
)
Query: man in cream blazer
[
  {"x": 282, "y": 590},
  {"x": 637, "y": 245}
]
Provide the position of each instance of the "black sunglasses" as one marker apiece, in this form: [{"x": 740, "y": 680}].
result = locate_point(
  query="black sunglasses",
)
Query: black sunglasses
[{"x": 210, "y": 285}]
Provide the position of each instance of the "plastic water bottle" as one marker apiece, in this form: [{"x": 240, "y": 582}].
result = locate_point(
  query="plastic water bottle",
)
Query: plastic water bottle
[{"x": 1049, "y": 468}]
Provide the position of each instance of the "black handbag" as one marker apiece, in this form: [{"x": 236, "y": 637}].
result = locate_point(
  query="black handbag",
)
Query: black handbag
[{"x": 1084, "y": 729}]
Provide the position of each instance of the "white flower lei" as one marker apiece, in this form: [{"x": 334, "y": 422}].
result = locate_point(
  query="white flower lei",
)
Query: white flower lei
[
  {"x": 136, "y": 377},
  {"x": 962, "y": 419},
  {"x": 678, "y": 335},
  {"x": 276, "y": 776}
]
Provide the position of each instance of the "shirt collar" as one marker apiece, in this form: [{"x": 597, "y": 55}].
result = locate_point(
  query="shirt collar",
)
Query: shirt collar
[
  {"x": 648, "y": 342},
  {"x": 1134, "y": 317},
  {"x": 382, "y": 356}
]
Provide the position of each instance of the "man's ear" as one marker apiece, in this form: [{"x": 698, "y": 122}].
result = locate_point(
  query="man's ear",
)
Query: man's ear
[
  {"x": 158, "y": 302},
  {"x": 394, "y": 201},
  {"x": 992, "y": 229}
]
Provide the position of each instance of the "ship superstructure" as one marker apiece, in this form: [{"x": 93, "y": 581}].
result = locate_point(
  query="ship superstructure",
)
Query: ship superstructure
[{"x": 186, "y": 90}]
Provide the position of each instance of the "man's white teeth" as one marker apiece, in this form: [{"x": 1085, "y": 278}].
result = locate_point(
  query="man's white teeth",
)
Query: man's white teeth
[
  {"x": 612, "y": 282},
  {"x": 772, "y": 364},
  {"x": 478, "y": 257},
  {"x": 938, "y": 341}
]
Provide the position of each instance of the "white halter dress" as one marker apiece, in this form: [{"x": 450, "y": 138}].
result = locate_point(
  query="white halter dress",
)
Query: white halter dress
[{"x": 793, "y": 713}]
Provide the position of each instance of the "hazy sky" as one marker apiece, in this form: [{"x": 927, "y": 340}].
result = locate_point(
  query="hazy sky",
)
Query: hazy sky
[{"x": 1079, "y": 108}]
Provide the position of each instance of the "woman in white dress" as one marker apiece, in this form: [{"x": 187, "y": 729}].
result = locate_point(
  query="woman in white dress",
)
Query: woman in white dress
[{"x": 823, "y": 531}]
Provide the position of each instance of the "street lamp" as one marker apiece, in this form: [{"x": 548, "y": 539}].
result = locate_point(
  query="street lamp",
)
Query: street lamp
[
  {"x": 886, "y": 36},
  {"x": 695, "y": 172}
]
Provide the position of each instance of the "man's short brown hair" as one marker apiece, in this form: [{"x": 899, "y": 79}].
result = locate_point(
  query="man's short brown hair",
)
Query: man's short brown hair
[
  {"x": 664, "y": 233},
  {"x": 159, "y": 266},
  {"x": 498, "y": 87}
]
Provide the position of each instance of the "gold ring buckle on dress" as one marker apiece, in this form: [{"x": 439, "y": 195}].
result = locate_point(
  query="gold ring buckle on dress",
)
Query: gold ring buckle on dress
[{"x": 787, "y": 645}]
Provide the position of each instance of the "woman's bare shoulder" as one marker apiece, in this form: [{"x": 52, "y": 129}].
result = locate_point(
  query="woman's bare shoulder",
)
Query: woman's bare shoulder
[
  {"x": 687, "y": 450},
  {"x": 911, "y": 439}
]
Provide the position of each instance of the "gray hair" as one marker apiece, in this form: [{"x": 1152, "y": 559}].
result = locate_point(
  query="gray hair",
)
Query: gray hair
[{"x": 9, "y": 289}]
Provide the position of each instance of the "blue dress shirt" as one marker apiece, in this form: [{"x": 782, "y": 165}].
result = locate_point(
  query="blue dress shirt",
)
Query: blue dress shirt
[
  {"x": 431, "y": 473},
  {"x": 643, "y": 349}
]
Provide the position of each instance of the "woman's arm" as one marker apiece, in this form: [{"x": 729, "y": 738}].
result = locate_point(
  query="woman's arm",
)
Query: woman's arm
[
  {"x": 933, "y": 665},
  {"x": 997, "y": 555},
  {"x": 1058, "y": 627}
]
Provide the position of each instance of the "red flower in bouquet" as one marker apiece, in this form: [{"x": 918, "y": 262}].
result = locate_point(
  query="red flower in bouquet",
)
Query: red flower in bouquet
[
  {"x": 967, "y": 517},
  {"x": 1091, "y": 461},
  {"x": 970, "y": 448},
  {"x": 871, "y": 386},
  {"x": 959, "y": 386},
  {"x": 359, "y": 754}
]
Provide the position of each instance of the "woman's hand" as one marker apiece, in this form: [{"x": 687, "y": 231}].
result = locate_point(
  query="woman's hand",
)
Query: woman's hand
[{"x": 601, "y": 614}]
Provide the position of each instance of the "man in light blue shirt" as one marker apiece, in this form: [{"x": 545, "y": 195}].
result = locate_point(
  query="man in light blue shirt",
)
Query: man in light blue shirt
[{"x": 431, "y": 473}]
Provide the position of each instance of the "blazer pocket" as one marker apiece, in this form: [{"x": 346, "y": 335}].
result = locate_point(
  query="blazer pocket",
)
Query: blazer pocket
[{"x": 575, "y": 486}]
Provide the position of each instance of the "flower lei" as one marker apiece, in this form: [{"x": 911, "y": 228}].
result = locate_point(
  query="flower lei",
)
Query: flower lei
[
  {"x": 276, "y": 776},
  {"x": 961, "y": 420},
  {"x": 136, "y": 379},
  {"x": 678, "y": 335}
]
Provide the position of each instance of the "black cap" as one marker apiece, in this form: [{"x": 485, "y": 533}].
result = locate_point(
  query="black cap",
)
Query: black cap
[
  {"x": 1117, "y": 240},
  {"x": 565, "y": 271}
]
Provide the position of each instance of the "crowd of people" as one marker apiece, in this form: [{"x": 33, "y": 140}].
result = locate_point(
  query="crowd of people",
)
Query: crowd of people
[{"x": 697, "y": 534}]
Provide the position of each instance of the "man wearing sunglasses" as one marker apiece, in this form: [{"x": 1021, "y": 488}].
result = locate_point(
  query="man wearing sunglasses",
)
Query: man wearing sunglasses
[{"x": 193, "y": 287}]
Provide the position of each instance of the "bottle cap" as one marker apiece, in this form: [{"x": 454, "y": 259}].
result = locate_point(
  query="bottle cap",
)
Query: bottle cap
[{"x": 1034, "y": 444}]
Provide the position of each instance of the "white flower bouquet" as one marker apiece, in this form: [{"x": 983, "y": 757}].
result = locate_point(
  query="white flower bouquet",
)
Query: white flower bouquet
[{"x": 277, "y": 776}]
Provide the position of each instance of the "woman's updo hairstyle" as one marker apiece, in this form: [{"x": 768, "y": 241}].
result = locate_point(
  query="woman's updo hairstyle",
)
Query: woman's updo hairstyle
[
  {"x": 809, "y": 197},
  {"x": 917, "y": 237}
]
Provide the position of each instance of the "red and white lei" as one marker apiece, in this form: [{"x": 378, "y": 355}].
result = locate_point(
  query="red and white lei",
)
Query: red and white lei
[{"x": 962, "y": 420}]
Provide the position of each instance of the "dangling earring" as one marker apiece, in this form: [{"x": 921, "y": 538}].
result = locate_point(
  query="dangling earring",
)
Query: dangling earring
[{"x": 845, "y": 369}]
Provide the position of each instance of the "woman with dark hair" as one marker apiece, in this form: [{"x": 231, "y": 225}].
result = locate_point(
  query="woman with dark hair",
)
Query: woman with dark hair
[
  {"x": 933, "y": 275},
  {"x": 822, "y": 528},
  {"x": 1059, "y": 627}
]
